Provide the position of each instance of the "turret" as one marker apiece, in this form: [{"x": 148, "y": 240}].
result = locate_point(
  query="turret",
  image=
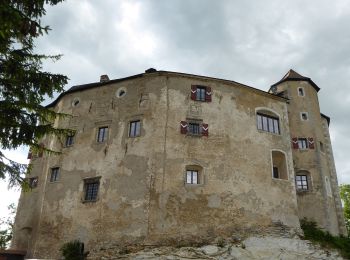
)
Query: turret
[{"x": 315, "y": 175}]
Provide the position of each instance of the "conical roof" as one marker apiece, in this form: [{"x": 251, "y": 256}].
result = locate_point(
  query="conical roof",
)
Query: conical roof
[{"x": 292, "y": 75}]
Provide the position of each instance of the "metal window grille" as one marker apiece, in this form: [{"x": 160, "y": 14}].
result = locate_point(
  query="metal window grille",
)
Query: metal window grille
[
  {"x": 194, "y": 128},
  {"x": 102, "y": 134},
  {"x": 192, "y": 177},
  {"x": 268, "y": 123},
  {"x": 91, "y": 190},
  {"x": 301, "y": 182},
  {"x": 200, "y": 95},
  {"x": 135, "y": 128},
  {"x": 55, "y": 172}
]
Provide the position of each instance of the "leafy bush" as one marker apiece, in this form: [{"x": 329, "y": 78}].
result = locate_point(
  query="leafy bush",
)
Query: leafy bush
[
  {"x": 73, "y": 250},
  {"x": 314, "y": 233}
]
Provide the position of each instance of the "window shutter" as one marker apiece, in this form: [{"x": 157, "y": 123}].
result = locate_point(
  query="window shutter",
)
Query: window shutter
[
  {"x": 311, "y": 143},
  {"x": 205, "y": 129},
  {"x": 295, "y": 143},
  {"x": 208, "y": 94},
  {"x": 183, "y": 127},
  {"x": 193, "y": 92}
]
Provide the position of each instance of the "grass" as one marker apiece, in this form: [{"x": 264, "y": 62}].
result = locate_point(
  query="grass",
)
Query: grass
[{"x": 313, "y": 233}]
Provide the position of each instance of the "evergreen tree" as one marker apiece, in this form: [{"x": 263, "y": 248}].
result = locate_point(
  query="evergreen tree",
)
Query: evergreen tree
[{"x": 23, "y": 83}]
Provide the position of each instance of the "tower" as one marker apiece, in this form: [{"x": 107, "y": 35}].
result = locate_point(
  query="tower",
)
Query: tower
[{"x": 315, "y": 174}]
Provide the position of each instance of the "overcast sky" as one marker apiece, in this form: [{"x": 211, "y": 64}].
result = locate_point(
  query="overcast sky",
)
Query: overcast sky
[{"x": 252, "y": 42}]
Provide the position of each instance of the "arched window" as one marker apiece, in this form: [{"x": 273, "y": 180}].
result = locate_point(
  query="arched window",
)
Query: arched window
[
  {"x": 279, "y": 165},
  {"x": 267, "y": 121}
]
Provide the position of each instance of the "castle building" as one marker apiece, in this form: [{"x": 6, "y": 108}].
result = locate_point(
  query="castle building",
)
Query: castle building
[{"x": 163, "y": 156}]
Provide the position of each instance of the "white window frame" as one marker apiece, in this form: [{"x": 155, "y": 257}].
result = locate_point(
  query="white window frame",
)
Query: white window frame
[{"x": 302, "y": 90}]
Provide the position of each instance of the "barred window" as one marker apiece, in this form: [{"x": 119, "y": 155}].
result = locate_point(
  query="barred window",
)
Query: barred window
[
  {"x": 301, "y": 182},
  {"x": 302, "y": 143},
  {"x": 194, "y": 128},
  {"x": 91, "y": 187}
]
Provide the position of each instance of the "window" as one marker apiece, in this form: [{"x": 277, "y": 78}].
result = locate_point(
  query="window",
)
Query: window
[
  {"x": 194, "y": 127},
  {"x": 69, "y": 140},
  {"x": 279, "y": 165},
  {"x": 275, "y": 172},
  {"x": 91, "y": 187},
  {"x": 192, "y": 177},
  {"x": 201, "y": 93},
  {"x": 302, "y": 143},
  {"x": 268, "y": 123},
  {"x": 301, "y": 182},
  {"x": 55, "y": 173},
  {"x": 33, "y": 182},
  {"x": 135, "y": 128},
  {"x": 102, "y": 134},
  {"x": 304, "y": 116},
  {"x": 301, "y": 92}
]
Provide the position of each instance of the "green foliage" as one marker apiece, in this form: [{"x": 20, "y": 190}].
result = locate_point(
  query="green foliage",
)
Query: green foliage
[
  {"x": 345, "y": 196},
  {"x": 23, "y": 84},
  {"x": 6, "y": 226},
  {"x": 73, "y": 250},
  {"x": 325, "y": 239}
]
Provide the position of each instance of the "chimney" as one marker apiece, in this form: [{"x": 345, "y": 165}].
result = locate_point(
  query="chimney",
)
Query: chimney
[{"x": 104, "y": 78}]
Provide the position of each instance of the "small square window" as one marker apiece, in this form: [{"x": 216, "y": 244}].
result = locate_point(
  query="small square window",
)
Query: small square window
[
  {"x": 301, "y": 92},
  {"x": 194, "y": 128},
  {"x": 69, "y": 140},
  {"x": 55, "y": 174},
  {"x": 135, "y": 128},
  {"x": 192, "y": 177},
  {"x": 102, "y": 134},
  {"x": 304, "y": 116},
  {"x": 91, "y": 187},
  {"x": 301, "y": 182}
]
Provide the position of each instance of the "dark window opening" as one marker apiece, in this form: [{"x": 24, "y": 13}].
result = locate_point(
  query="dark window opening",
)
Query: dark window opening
[
  {"x": 268, "y": 123},
  {"x": 135, "y": 128},
  {"x": 192, "y": 177},
  {"x": 102, "y": 134},
  {"x": 194, "y": 128},
  {"x": 301, "y": 182},
  {"x": 275, "y": 172},
  {"x": 33, "y": 182},
  {"x": 304, "y": 116},
  {"x": 69, "y": 140},
  {"x": 55, "y": 172},
  {"x": 301, "y": 92}
]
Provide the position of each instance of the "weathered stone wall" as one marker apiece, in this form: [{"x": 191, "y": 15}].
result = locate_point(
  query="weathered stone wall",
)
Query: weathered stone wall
[{"x": 143, "y": 197}]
